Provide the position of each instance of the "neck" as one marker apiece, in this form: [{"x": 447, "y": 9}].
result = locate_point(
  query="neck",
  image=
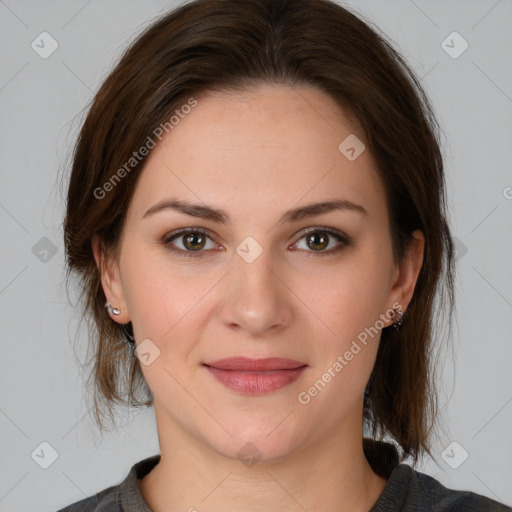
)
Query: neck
[{"x": 331, "y": 474}]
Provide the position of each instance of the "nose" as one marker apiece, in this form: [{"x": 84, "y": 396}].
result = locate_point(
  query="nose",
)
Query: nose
[{"x": 256, "y": 298}]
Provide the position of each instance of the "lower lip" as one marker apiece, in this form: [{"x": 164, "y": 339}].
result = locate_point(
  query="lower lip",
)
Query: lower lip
[{"x": 254, "y": 383}]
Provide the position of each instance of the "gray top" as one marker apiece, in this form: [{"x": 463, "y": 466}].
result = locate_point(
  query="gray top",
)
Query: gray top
[{"x": 406, "y": 489}]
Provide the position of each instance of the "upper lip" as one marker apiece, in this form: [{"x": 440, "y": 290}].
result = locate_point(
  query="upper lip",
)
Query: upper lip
[{"x": 255, "y": 365}]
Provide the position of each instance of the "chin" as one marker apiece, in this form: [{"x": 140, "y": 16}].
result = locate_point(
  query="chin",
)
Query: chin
[{"x": 254, "y": 441}]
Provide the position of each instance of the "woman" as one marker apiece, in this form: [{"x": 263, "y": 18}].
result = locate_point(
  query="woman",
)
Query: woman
[{"x": 256, "y": 207}]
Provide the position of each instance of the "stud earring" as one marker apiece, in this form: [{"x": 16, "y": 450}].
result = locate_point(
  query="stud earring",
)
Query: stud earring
[
  {"x": 400, "y": 320},
  {"x": 112, "y": 310}
]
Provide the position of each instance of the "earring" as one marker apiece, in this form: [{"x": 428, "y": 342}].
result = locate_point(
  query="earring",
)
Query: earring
[
  {"x": 126, "y": 329},
  {"x": 400, "y": 320},
  {"x": 112, "y": 310}
]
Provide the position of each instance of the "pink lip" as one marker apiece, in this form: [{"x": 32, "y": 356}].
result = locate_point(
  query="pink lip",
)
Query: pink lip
[{"x": 255, "y": 376}]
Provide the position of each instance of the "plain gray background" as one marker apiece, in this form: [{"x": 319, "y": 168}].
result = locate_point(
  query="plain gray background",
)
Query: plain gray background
[{"x": 42, "y": 391}]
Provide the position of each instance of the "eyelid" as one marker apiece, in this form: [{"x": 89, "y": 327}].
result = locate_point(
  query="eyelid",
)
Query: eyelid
[
  {"x": 183, "y": 231},
  {"x": 325, "y": 229}
]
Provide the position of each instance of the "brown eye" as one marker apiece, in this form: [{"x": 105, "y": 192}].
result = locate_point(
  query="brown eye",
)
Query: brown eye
[
  {"x": 194, "y": 241},
  {"x": 189, "y": 242},
  {"x": 316, "y": 240}
]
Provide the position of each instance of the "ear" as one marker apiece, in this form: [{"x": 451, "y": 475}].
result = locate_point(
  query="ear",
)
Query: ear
[
  {"x": 406, "y": 274},
  {"x": 110, "y": 280}
]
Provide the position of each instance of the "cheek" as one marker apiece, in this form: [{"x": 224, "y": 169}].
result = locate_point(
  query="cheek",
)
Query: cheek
[
  {"x": 355, "y": 297},
  {"x": 160, "y": 296},
  {"x": 343, "y": 359},
  {"x": 355, "y": 294},
  {"x": 167, "y": 306}
]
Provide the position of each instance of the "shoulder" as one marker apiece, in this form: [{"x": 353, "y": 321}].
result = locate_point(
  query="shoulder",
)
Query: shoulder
[
  {"x": 452, "y": 500},
  {"x": 434, "y": 494},
  {"x": 107, "y": 500},
  {"x": 119, "y": 498},
  {"x": 410, "y": 490}
]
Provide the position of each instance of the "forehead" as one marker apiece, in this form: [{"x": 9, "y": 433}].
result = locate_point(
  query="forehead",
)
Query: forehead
[{"x": 258, "y": 149}]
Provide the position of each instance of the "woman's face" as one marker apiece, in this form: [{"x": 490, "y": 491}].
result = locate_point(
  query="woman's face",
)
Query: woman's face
[{"x": 266, "y": 278}]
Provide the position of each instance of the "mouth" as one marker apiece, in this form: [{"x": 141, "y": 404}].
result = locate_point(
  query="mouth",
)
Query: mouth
[{"x": 255, "y": 376}]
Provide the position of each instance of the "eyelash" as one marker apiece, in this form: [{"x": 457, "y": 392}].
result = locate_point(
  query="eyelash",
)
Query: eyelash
[{"x": 341, "y": 237}]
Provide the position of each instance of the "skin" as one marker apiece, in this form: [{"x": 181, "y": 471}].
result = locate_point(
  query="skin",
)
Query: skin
[{"x": 256, "y": 155}]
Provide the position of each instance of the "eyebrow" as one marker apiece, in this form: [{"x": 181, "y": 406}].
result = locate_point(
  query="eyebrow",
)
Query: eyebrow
[{"x": 220, "y": 216}]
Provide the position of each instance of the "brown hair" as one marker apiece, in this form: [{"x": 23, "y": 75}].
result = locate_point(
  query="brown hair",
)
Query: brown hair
[{"x": 231, "y": 45}]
